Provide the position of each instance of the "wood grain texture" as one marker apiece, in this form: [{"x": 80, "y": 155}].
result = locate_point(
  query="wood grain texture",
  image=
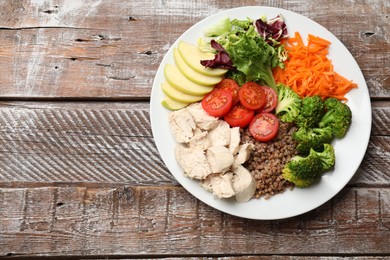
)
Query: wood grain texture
[
  {"x": 132, "y": 220},
  {"x": 80, "y": 176},
  {"x": 113, "y": 142},
  {"x": 112, "y": 49},
  {"x": 79, "y": 142}
]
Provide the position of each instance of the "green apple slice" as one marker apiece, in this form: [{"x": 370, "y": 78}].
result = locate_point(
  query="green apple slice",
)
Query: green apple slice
[
  {"x": 174, "y": 76},
  {"x": 178, "y": 95},
  {"x": 171, "y": 104},
  {"x": 192, "y": 56},
  {"x": 192, "y": 74}
]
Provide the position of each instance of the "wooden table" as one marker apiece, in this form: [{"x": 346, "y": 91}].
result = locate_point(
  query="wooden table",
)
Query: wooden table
[{"x": 80, "y": 175}]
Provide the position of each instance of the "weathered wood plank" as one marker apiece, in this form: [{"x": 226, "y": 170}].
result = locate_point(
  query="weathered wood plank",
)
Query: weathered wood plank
[
  {"x": 111, "y": 49},
  {"x": 113, "y": 142},
  {"x": 75, "y": 14},
  {"x": 51, "y": 62},
  {"x": 80, "y": 142},
  {"x": 134, "y": 220}
]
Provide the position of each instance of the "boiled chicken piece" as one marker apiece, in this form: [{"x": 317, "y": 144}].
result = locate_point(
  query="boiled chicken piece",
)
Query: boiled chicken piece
[
  {"x": 203, "y": 120},
  {"x": 219, "y": 158},
  {"x": 244, "y": 153},
  {"x": 234, "y": 140},
  {"x": 220, "y": 185},
  {"x": 207, "y": 183},
  {"x": 193, "y": 161},
  {"x": 244, "y": 184},
  {"x": 221, "y": 134},
  {"x": 182, "y": 125},
  {"x": 200, "y": 140}
]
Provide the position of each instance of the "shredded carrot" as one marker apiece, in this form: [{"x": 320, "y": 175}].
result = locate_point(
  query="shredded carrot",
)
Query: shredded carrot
[{"x": 309, "y": 72}]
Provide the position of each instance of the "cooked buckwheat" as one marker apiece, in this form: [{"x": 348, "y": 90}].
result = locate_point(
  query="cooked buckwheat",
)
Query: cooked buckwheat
[{"x": 268, "y": 159}]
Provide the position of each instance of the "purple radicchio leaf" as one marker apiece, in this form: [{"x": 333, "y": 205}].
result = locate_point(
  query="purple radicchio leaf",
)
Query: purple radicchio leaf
[
  {"x": 221, "y": 59},
  {"x": 272, "y": 29}
]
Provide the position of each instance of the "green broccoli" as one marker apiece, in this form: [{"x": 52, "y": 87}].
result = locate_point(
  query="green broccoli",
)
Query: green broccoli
[
  {"x": 312, "y": 138},
  {"x": 328, "y": 157},
  {"x": 311, "y": 112},
  {"x": 304, "y": 171},
  {"x": 338, "y": 117},
  {"x": 289, "y": 103},
  {"x": 331, "y": 102}
]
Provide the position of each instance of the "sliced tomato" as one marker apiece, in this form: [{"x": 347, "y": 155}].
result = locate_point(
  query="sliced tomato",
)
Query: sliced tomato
[
  {"x": 252, "y": 95},
  {"x": 271, "y": 100},
  {"x": 218, "y": 102},
  {"x": 231, "y": 86},
  {"x": 239, "y": 115},
  {"x": 264, "y": 126}
]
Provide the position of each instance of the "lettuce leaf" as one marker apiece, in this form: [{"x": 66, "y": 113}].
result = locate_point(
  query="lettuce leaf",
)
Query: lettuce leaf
[
  {"x": 222, "y": 26},
  {"x": 252, "y": 57},
  {"x": 248, "y": 55}
]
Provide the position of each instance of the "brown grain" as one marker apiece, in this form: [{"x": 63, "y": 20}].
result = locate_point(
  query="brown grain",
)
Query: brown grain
[{"x": 268, "y": 159}]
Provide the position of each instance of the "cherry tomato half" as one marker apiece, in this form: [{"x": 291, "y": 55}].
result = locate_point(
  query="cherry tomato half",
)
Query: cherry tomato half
[
  {"x": 252, "y": 95},
  {"x": 231, "y": 86},
  {"x": 271, "y": 100},
  {"x": 239, "y": 115},
  {"x": 218, "y": 102},
  {"x": 264, "y": 127}
]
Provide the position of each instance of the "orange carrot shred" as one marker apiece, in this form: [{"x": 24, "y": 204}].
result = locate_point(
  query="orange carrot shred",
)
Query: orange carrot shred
[{"x": 309, "y": 72}]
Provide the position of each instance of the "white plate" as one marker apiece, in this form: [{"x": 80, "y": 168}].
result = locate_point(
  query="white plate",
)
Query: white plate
[{"x": 349, "y": 151}]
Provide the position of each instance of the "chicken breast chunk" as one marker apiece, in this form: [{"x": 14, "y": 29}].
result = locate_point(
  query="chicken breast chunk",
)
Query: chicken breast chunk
[
  {"x": 200, "y": 140},
  {"x": 182, "y": 125},
  {"x": 244, "y": 184},
  {"x": 193, "y": 161},
  {"x": 220, "y": 185},
  {"x": 243, "y": 154},
  {"x": 202, "y": 120},
  {"x": 221, "y": 134},
  {"x": 234, "y": 140},
  {"x": 219, "y": 158}
]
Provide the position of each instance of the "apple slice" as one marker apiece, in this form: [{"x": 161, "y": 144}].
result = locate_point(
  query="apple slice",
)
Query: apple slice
[
  {"x": 192, "y": 74},
  {"x": 178, "y": 95},
  {"x": 171, "y": 104},
  {"x": 177, "y": 80},
  {"x": 192, "y": 56}
]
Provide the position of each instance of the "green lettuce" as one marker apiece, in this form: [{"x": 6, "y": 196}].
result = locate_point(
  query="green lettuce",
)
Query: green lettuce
[
  {"x": 252, "y": 56},
  {"x": 222, "y": 26}
]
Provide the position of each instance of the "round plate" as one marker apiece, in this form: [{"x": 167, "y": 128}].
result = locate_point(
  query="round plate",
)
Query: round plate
[{"x": 349, "y": 150}]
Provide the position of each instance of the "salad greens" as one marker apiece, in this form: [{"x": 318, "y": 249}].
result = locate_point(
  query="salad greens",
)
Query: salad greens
[
  {"x": 273, "y": 29},
  {"x": 222, "y": 26},
  {"x": 253, "y": 57}
]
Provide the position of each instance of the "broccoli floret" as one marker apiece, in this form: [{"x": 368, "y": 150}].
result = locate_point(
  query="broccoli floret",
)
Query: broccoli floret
[
  {"x": 312, "y": 138},
  {"x": 304, "y": 171},
  {"x": 311, "y": 112},
  {"x": 289, "y": 104},
  {"x": 328, "y": 157},
  {"x": 338, "y": 117},
  {"x": 331, "y": 102}
]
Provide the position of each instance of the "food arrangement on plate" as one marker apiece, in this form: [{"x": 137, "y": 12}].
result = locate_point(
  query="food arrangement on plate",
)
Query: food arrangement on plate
[{"x": 254, "y": 109}]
